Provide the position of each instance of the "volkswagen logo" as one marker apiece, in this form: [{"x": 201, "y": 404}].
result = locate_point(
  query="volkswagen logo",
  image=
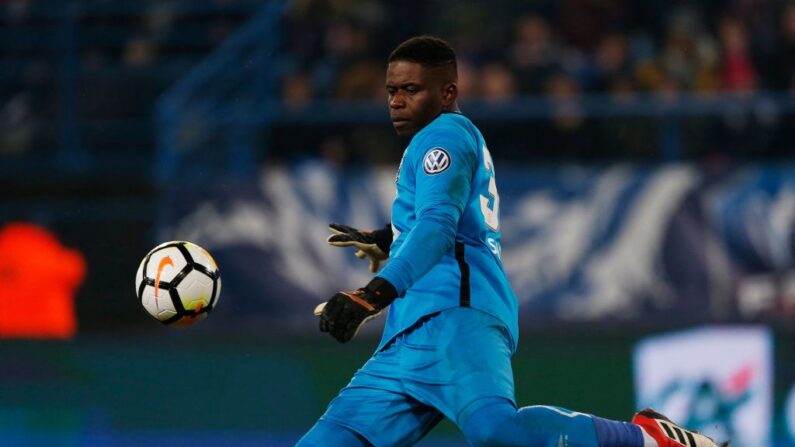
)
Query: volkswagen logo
[{"x": 436, "y": 160}]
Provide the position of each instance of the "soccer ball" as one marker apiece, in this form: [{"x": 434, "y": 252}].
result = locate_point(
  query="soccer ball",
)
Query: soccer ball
[{"x": 178, "y": 283}]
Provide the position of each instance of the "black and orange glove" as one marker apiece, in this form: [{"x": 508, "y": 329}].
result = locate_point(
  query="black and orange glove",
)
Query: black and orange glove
[
  {"x": 346, "y": 312},
  {"x": 369, "y": 244}
]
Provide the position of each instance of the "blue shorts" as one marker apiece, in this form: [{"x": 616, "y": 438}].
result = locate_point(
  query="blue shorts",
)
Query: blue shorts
[{"x": 436, "y": 368}]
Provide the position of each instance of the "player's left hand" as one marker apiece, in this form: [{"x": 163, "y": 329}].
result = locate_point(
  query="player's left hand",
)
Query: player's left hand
[
  {"x": 346, "y": 312},
  {"x": 373, "y": 245}
]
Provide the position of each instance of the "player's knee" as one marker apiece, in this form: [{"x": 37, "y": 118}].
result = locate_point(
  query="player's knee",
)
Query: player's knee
[
  {"x": 501, "y": 425},
  {"x": 491, "y": 425}
]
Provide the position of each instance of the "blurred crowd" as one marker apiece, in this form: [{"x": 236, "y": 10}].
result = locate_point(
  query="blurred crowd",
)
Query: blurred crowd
[
  {"x": 96, "y": 67},
  {"x": 561, "y": 47},
  {"x": 564, "y": 50},
  {"x": 87, "y": 73}
]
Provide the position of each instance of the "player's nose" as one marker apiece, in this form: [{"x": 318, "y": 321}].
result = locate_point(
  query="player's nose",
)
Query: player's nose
[{"x": 397, "y": 101}]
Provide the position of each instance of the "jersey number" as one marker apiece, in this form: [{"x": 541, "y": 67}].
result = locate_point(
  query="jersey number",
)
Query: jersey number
[{"x": 490, "y": 215}]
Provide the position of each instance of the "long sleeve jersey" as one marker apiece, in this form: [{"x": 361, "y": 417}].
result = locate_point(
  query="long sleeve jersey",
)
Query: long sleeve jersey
[{"x": 446, "y": 229}]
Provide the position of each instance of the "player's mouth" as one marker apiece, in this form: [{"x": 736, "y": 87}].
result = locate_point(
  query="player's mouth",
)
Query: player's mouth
[{"x": 399, "y": 122}]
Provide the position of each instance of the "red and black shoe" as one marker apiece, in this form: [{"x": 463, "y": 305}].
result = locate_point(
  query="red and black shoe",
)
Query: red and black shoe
[{"x": 668, "y": 434}]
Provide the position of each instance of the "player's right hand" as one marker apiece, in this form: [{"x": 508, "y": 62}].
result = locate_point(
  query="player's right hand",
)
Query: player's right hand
[
  {"x": 373, "y": 245},
  {"x": 346, "y": 312}
]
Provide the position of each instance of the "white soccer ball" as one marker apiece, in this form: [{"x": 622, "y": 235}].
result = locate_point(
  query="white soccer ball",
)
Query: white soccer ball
[{"x": 178, "y": 283}]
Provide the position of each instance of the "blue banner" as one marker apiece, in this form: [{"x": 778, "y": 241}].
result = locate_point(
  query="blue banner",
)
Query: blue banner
[{"x": 671, "y": 243}]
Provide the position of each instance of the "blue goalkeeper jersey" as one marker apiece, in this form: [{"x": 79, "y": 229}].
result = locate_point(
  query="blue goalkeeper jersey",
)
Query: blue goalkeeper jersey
[{"x": 445, "y": 249}]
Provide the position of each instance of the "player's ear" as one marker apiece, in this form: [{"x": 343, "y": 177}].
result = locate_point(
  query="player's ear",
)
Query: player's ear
[{"x": 449, "y": 94}]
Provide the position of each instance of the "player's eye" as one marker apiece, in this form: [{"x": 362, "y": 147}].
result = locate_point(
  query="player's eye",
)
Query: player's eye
[{"x": 412, "y": 89}]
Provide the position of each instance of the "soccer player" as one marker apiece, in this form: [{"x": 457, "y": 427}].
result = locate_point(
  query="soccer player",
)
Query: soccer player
[{"x": 452, "y": 323}]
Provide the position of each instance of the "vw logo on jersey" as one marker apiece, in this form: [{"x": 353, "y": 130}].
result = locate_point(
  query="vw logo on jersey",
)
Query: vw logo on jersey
[{"x": 436, "y": 160}]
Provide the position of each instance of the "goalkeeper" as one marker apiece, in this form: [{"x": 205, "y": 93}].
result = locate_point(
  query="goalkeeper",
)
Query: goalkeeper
[{"x": 452, "y": 323}]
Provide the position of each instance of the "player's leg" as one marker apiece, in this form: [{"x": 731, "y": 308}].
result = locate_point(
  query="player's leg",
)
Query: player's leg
[
  {"x": 497, "y": 422},
  {"x": 326, "y": 433},
  {"x": 380, "y": 416},
  {"x": 375, "y": 409},
  {"x": 458, "y": 361}
]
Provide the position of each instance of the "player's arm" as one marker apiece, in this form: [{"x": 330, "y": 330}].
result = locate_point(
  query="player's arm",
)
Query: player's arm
[
  {"x": 441, "y": 195},
  {"x": 373, "y": 245}
]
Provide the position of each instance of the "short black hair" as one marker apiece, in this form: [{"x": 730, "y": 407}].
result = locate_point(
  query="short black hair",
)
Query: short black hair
[{"x": 425, "y": 50}]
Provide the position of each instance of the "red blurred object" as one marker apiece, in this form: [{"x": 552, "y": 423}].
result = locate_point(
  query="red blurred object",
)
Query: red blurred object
[{"x": 38, "y": 280}]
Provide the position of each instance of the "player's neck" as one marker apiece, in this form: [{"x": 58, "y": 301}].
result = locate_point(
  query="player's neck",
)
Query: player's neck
[{"x": 452, "y": 108}]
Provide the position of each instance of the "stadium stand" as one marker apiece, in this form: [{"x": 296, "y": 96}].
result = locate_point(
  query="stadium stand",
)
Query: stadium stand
[{"x": 79, "y": 78}]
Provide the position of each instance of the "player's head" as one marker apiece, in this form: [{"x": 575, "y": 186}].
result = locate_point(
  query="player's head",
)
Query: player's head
[{"x": 421, "y": 83}]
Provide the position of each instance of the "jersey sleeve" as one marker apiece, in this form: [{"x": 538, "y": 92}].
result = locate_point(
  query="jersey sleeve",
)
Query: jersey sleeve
[{"x": 444, "y": 167}]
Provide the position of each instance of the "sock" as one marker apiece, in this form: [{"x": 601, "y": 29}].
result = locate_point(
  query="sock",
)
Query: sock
[{"x": 618, "y": 434}]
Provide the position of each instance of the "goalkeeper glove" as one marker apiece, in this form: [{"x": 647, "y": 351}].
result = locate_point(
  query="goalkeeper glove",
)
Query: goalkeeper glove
[
  {"x": 346, "y": 312},
  {"x": 370, "y": 244}
]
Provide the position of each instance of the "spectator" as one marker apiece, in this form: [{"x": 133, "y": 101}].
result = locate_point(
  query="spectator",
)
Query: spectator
[
  {"x": 16, "y": 125},
  {"x": 469, "y": 82},
  {"x": 686, "y": 61},
  {"x": 16, "y": 11},
  {"x": 569, "y": 134},
  {"x": 140, "y": 51},
  {"x": 297, "y": 90},
  {"x": 498, "y": 82},
  {"x": 361, "y": 80},
  {"x": 737, "y": 72},
  {"x": 779, "y": 60},
  {"x": 628, "y": 137},
  {"x": 611, "y": 61},
  {"x": 533, "y": 54}
]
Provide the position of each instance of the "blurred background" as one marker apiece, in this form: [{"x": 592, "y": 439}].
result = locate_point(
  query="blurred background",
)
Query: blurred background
[{"x": 646, "y": 160}]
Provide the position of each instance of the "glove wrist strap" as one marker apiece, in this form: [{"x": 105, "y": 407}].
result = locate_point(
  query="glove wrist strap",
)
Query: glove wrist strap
[
  {"x": 382, "y": 292},
  {"x": 383, "y": 238}
]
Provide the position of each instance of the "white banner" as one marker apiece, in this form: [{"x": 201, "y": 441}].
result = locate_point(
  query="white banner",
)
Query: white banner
[{"x": 716, "y": 380}]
